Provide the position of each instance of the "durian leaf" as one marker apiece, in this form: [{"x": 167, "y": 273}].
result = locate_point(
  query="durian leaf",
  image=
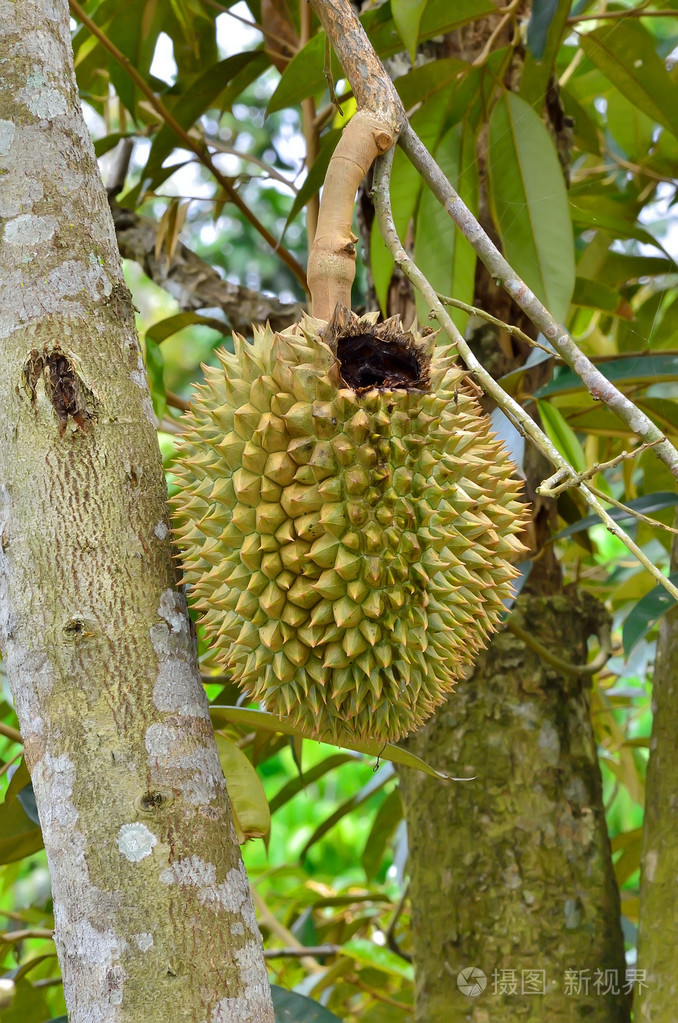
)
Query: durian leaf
[
  {"x": 646, "y": 505},
  {"x": 647, "y": 613},
  {"x": 388, "y": 816},
  {"x": 365, "y": 951},
  {"x": 172, "y": 324},
  {"x": 631, "y": 844},
  {"x": 560, "y": 433},
  {"x": 248, "y": 799},
  {"x": 529, "y": 202},
  {"x": 304, "y": 75},
  {"x": 292, "y": 1007},
  {"x": 407, "y": 16},
  {"x": 19, "y": 835},
  {"x": 298, "y": 784},
  {"x": 625, "y": 53},
  {"x": 441, "y": 252},
  {"x": 349, "y": 805},
  {"x": 316, "y": 175},
  {"x": 263, "y": 719},
  {"x": 638, "y": 369}
]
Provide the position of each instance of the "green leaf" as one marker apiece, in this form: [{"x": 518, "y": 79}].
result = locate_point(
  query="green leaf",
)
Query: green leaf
[
  {"x": 561, "y": 434},
  {"x": 595, "y": 295},
  {"x": 389, "y": 816},
  {"x": 200, "y": 96},
  {"x": 639, "y": 369},
  {"x": 302, "y": 781},
  {"x": 423, "y": 82},
  {"x": 647, "y": 613},
  {"x": 291, "y": 1007},
  {"x": 365, "y": 951},
  {"x": 600, "y": 213},
  {"x": 348, "y": 806},
  {"x": 631, "y": 128},
  {"x": 19, "y": 835},
  {"x": 155, "y": 370},
  {"x": 441, "y": 252},
  {"x": 316, "y": 176},
  {"x": 251, "y": 814},
  {"x": 407, "y": 16},
  {"x": 542, "y": 14},
  {"x": 263, "y": 719},
  {"x": 529, "y": 201},
  {"x": 172, "y": 324},
  {"x": 646, "y": 505},
  {"x": 625, "y": 52}
]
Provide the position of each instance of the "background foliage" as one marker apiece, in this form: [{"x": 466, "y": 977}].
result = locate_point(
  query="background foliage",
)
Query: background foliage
[{"x": 330, "y": 874}]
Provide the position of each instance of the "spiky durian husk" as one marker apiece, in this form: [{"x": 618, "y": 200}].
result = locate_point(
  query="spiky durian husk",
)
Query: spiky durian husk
[{"x": 349, "y": 549}]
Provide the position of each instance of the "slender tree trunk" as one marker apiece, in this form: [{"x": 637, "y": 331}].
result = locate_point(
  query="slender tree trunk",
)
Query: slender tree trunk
[
  {"x": 658, "y": 927},
  {"x": 511, "y": 873},
  {"x": 154, "y": 919}
]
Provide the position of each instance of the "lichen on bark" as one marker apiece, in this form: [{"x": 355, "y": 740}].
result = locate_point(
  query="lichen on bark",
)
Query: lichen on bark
[{"x": 93, "y": 631}]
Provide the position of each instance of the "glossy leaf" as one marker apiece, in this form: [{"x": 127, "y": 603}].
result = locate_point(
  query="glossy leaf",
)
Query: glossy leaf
[
  {"x": 407, "y": 16},
  {"x": 263, "y": 719},
  {"x": 377, "y": 956},
  {"x": 387, "y": 818},
  {"x": 251, "y": 814},
  {"x": 309, "y": 777},
  {"x": 646, "y": 614},
  {"x": 646, "y": 505},
  {"x": 541, "y": 17},
  {"x": 529, "y": 202},
  {"x": 625, "y": 52},
  {"x": 640, "y": 369},
  {"x": 292, "y": 1007},
  {"x": 561, "y": 434},
  {"x": 172, "y": 324},
  {"x": 441, "y": 252}
]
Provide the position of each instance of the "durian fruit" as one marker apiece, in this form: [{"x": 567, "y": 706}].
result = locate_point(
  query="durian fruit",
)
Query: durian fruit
[{"x": 347, "y": 522}]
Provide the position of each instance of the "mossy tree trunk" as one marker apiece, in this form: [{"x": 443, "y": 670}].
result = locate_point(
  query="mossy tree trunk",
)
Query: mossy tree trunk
[
  {"x": 154, "y": 919},
  {"x": 658, "y": 924},
  {"x": 511, "y": 873}
]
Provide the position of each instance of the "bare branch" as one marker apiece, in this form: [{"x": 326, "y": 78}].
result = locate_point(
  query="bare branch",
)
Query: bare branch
[{"x": 192, "y": 282}]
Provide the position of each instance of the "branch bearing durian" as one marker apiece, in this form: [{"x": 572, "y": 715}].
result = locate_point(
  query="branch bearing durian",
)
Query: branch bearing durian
[{"x": 347, "y": 523}]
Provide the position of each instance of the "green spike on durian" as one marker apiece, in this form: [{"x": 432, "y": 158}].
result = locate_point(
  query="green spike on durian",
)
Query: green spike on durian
[{"x": 347, "y": 522}]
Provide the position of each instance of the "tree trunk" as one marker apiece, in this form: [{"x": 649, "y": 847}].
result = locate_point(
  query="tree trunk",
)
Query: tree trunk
[
  {"x": 154, "y": 919},
  {"x": 511, "y": 873},
  {"x": 657, "y": 985}
]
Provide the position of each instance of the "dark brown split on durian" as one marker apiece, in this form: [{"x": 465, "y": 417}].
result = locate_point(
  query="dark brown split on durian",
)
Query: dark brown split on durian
[{"x": 381, "y": 356}]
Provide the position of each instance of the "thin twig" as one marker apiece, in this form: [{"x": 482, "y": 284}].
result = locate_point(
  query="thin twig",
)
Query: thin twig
[
  {"x": 8, "y": 763},
  {"x": 632, "y": 512},
  {"x": 12, "y": 937},
  {"x": 382, "y": 205},
  {"x": 10, "y": 733},
  {"x": 268, "y": 920},
  {"x": 508, "y": 13},
  {"x": 189, "y": 142},
  {"x": 636, "y": 12},
  {"x": 391, "y": 940},
  {"x": 510, "y": 328},
  {"x": 298, "y": 952}
]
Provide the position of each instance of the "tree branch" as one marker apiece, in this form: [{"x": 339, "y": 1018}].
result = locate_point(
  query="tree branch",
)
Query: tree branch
[{"x": 193, "y": 282}]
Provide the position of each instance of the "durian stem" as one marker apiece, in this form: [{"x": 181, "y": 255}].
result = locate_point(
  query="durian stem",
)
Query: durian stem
[
  {"x": 515, "y": 412},
  {"x": 370, "y": 132}
]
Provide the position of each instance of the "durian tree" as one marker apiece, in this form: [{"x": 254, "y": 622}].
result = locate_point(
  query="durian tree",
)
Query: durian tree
[{"x": 340, "y": 433}]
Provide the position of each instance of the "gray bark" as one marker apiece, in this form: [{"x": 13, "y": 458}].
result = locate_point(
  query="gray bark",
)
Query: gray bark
[
  {"x": 154, "y": 919},
  {"x": 658, "y": 923},
  {"x": 511, "y": 873}
]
